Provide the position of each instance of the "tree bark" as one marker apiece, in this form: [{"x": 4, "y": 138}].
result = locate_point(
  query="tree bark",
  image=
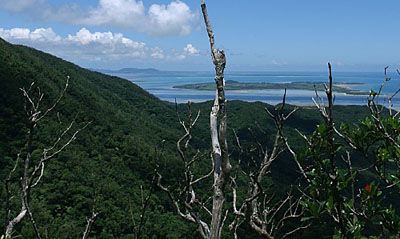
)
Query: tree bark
[{"x": 218, "y": 126}]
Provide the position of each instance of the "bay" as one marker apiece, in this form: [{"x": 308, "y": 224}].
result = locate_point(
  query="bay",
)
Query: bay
[{"x": 162, "y": 86}]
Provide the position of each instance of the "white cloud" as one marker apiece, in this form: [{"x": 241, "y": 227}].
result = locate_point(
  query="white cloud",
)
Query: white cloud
[
  {"x": 157, "y": 53},
  {"x": 106, "y": 45},
  {"x": 188, "y": 50},
  {"x": 85, "y": 37},
  {"x": 175, "y": 18},
  {"x": 83, "y": 45},
  {"x": 126, "y": 13},
  {"x": 92, "y": 46},
  {"x": 191, "y": 50},
  {"x": 15, "y": 33},
  {"x": 40, "y": 34}
]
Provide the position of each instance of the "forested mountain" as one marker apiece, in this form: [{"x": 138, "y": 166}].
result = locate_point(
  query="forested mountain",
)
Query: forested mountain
[
  {"x": 110, "y": 159},
  {"x": 130, "y": 132}
]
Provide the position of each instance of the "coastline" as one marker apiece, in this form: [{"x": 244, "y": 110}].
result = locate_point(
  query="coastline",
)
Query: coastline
[
  {"x": 341, "y": 87},
  {"x": 162, "y": 86}
]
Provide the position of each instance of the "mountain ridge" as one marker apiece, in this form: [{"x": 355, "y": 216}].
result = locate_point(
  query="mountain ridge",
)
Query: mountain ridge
[
  {"x": 111, "y": 164},
  {"x": 109, "y": 160}
]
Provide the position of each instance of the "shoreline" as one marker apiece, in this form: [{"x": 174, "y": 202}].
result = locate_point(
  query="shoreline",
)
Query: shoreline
[
  {"x": 273, "y": 97},
  {"x": 294, "y": 102},
  {"x": 341, "y": 87}
]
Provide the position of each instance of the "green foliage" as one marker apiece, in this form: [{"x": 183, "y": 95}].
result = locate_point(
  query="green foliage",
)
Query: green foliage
[
  {"x": 105, "y": 167},
  {"x": 112, "y": 158},
  {"x": 353, "y": 184}
]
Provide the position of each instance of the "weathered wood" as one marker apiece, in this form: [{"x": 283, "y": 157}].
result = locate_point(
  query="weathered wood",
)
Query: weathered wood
[
  {"x": 184, "y": 201},
  {"x": 218, "y": 126}
]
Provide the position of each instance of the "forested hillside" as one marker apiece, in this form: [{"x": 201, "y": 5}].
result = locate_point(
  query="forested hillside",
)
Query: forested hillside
[
  {"x": 130, "y": 132},
  {"x": 110, "y": 159}
]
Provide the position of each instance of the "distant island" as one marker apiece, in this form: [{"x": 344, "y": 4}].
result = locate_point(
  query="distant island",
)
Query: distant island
[{"x": 341, "y": 87}]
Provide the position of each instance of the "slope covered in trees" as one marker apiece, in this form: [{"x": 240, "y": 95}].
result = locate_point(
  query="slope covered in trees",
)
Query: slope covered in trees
[
  {"x": 108, "y": 162},
  {"x": 117, "y": 153}
]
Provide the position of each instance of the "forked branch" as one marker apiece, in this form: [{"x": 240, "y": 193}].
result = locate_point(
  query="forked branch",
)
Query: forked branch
[
  {"x": 266, "y": 218},
  {"x": 33, "y": 170}
]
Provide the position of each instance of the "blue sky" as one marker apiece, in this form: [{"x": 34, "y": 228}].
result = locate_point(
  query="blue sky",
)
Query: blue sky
[{"x": 286, "y": 35}]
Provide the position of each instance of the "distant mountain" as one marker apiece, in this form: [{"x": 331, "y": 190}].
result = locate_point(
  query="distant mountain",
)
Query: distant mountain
[{"x": 138, "y": 71}]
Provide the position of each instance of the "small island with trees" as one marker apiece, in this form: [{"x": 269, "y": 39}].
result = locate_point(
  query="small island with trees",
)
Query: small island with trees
[{"x": 341, "y": 87}]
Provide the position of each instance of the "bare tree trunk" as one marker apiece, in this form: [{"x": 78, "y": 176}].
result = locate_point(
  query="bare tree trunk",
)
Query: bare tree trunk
[
  {"x": 24, "y": 186},
  {"x": 218, "y": 125},
  {"x": 220, "y": 160},
  {"x": 15, "y": 221},
  {"x": 89, "y": 224}
]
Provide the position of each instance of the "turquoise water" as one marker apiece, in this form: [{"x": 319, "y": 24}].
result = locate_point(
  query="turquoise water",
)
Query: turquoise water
[{"x": 161, "y": 85}]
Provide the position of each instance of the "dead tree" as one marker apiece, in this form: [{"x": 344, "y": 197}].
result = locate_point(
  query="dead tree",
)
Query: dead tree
[
  {"x": 218, "y": 126},
  {"x": 32, "y": 168},
  {"x": 220, "y": 158},
  {"x": 266, "y": 217},
  {"x": 186, "y": 202}
]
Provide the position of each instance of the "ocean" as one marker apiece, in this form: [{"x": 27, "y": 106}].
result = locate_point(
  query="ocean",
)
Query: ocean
[{"x": 161, "y": 85}]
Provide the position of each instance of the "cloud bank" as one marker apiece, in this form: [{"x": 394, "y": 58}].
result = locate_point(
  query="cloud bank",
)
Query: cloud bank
[
  {"x": 175, "y": 18},
  {"x": 92, "y": 46}
]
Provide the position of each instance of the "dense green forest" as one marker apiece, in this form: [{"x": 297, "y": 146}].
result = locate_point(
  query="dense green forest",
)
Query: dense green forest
[{"x": 110, "y": 167}]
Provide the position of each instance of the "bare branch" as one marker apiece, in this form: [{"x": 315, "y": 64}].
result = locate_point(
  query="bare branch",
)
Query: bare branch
[
  {"x": 56, "y": 101},
  {"x": 186, "y": 198},
  {"x": 265, "y": 219},
  {"x": 203, "y": 227},
  {"x": 89, "y": 224},
  {"x": 32, "y": 175}
]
